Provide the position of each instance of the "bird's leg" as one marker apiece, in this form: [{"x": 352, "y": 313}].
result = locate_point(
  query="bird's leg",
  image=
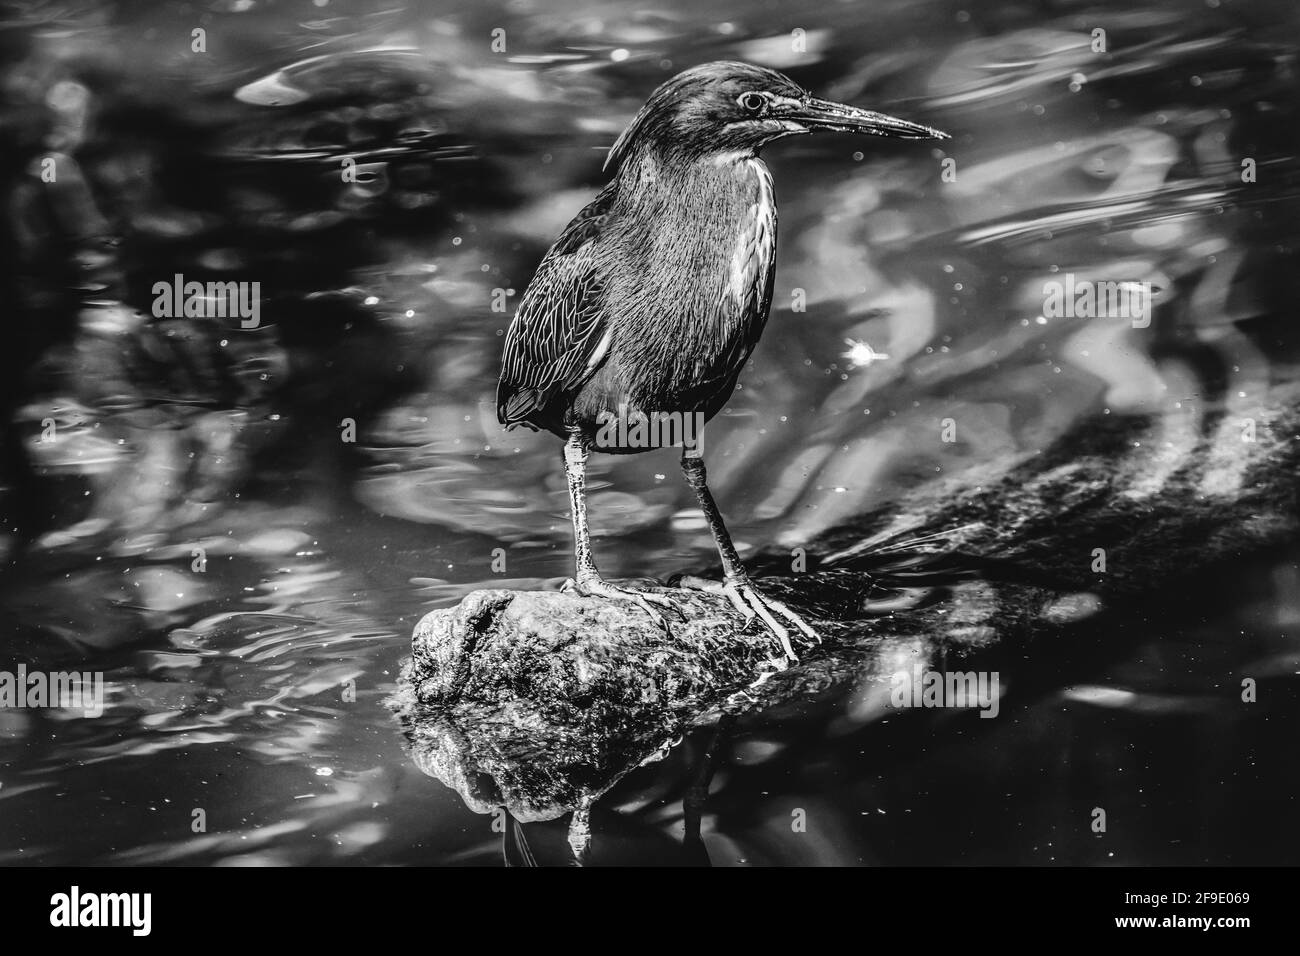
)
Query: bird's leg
[
  {"x": 587, "y": 579},
  {"x": 575, "y": 471},
  {"x": 736, "y": 584}
]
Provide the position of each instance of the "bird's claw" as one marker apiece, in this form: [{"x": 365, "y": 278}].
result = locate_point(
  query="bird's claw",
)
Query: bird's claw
[
  {"x": 751, "y": 602},
  {"x": 599, "y": 587}
]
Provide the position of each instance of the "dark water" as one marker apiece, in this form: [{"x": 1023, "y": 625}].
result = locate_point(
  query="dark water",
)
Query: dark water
[{"x": 254, "y": 690}]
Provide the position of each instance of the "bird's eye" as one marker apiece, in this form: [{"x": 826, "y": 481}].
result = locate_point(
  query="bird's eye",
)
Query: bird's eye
[{"x": 753, "y": 102}]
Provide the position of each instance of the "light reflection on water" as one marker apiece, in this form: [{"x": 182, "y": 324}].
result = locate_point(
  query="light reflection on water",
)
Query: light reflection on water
[{"x": 254, "y": 692}]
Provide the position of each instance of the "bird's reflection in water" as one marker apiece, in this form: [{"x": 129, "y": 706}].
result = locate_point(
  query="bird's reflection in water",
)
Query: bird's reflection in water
[{"x": 518, "y": 839}]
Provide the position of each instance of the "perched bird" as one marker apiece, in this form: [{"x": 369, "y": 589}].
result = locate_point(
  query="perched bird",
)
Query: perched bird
[{"x": 653, "y": 297}]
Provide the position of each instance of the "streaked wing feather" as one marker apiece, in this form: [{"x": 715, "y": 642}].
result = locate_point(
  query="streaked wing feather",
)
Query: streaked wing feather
[{"x": 560, "y": 321}]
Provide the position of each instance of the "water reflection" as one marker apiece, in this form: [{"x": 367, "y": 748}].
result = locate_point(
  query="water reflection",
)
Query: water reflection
[{"x": 228, "y": 688}]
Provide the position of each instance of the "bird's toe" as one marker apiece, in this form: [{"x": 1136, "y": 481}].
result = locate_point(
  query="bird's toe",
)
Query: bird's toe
[
  {"x": 753, "y": 603},
  {"x": 599, "y": 587}
]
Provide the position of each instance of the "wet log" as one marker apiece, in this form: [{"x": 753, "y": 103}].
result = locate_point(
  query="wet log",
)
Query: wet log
[{"x": 541, "y": 701}]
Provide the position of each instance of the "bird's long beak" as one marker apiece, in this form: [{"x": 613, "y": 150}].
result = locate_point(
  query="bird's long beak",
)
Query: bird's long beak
[{"x": 823, "y": 114}]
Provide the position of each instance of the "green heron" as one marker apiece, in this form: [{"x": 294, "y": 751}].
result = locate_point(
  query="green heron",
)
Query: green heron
[{"x": 653, "y": 297}]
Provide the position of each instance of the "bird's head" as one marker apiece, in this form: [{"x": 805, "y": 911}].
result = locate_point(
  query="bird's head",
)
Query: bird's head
[{"x": 724, "y": 107}]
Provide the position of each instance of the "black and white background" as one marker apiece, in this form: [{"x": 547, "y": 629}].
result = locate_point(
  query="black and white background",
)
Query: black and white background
[{"x": 230, "y": 525}]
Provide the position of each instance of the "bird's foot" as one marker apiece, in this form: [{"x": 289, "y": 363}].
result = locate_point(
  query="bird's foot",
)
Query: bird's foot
[
  {"x": 596, "y": 586},
  {"x": 751, "y": 602}
]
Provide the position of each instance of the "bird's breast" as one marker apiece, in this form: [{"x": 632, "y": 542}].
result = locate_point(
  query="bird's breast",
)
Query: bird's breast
[
  {"x": 687, "y": 304},
  {"x": 755, "y": 248}
]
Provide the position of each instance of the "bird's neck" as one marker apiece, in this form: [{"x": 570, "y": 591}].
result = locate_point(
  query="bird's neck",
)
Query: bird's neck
[{"x": 649, "y": 170}]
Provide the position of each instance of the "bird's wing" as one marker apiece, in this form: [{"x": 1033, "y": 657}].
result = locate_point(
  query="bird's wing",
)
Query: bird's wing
[{"x": 554, "y": 342}]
